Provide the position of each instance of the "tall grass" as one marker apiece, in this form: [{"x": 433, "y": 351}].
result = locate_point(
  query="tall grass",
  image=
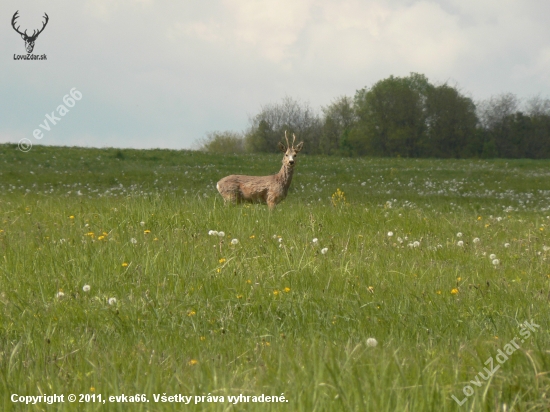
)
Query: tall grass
[{"x": 194, "y": 314}]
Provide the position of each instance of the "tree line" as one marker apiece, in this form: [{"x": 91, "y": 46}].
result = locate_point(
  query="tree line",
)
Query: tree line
[{"x": 400, "y": 116}]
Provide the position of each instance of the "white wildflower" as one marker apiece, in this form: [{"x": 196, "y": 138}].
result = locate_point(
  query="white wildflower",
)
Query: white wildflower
[
  {"x": 492, "y": 256},
  {"x": 221, "y": 234},
  {"x": 142, "y": 223},
  {"x": 315, "y": 241},
  {"x": 212, "y": 233},
  {"x": 460, "y": 243},
  {"x": 476, "y": 240},
  {"x": 416, "y": 243},
  {"x": 459, "y": 234},
  {"x": 112, "y": 301},
  {"x": 390, "y": 234},
  {"x": 507, "y": 245},
  {"x": 372, "y": 342},
  {"x": 496, "y": 262},
  {"x": 324, "y": 250},
  {"x": 86, "y": 288},
  {"x": 133, "y": 240},
  {"x": 234, "y": 241},
  {"x": 59, "y": 294}
]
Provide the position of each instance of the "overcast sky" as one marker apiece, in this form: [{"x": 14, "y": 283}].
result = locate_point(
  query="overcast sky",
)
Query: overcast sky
[{"x": 164, "y": 73}]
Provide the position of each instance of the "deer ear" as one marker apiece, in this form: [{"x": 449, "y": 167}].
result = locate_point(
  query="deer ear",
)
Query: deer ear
[
  {"x": 299, "y": 147},
  {"x": 281, "y": 147}
]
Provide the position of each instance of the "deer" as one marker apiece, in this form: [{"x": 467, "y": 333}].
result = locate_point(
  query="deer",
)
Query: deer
[
  {"x": 29, "y": 40},
  {"x": 270, "y": 189}
]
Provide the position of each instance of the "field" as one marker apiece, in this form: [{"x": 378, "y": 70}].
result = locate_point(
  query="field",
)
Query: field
[{"x": 111, "y": 284}]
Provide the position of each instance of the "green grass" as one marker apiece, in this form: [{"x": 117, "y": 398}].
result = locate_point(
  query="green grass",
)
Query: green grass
[{"x": 196, "y": 315}]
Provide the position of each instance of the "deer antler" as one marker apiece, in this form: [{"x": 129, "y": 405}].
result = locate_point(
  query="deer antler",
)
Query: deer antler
[
  {"x": 15, "y": 17},
  {"x": 286, "y": 138},
  {"x": 294, "y": 139},
  {"x": 34, "y": 33},
  {"x": 43, "y": 26}
]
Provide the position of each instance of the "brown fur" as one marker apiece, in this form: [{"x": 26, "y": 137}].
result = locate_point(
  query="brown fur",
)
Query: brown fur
[{"x": 262, "y": 189}]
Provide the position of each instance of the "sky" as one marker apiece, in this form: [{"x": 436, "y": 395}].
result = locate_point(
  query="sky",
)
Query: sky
[{"x": 163, "y": 74}]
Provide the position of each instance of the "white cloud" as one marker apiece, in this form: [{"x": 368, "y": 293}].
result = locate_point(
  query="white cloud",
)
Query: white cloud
[{"x": 165, "y": 73}]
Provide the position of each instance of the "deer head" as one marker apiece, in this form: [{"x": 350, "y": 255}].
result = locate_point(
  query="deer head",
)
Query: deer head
[
  {"x": 29, "y": 40},
  {"x": 290, "y": 151}
]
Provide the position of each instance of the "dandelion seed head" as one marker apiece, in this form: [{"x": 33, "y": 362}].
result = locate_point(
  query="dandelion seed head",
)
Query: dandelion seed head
[
  {"x": 112, "y": 301},
  {"x": 390, "y": 234},
  {"x": 416, "y": 243},
  {"x": 459, "y": 234},
  {"x": 59, "y": 294},
  {"x": 86, "y": 288},
  {"x": 142, "y": 223},
  {"x": 507, "y": 245},
  {"x": 221, "y": 234},
  {"x": 496, "y": 262},
  {"x": 324, "y": 250},
  {"x": 212, "y": 233},
  {"x": 476, "y": 240},
  {"x": 234, "y": 241},
  {"x": 133, "y": 240},
  {"x": 315, "y": 241},
  {"x": 460, "y": 243},
  {"x": 371, "y": 342},
  {"x": 492, "y": 256}
]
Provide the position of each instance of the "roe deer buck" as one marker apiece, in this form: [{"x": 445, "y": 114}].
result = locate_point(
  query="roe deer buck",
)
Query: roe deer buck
[{"x": 262, "y": 189}]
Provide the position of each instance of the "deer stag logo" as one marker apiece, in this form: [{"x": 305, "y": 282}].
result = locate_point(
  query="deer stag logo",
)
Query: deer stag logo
[
  {"x": 262, "y": 189},
  {"x": 29, "y": 40}
]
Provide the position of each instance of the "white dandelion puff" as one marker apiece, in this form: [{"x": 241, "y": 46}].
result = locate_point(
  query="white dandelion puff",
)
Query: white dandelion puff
[
  {"x": 142, "y": 223},
  {"x": 416, "y": 243},
  {"x": 371, "y": 342},
  {"x": 59, "y": 295},
  {"x": 133, "y": 240},
  {"x": 492, "y": 256},
  {"x": 221, "y": 234},
  {"x": 112, "y": 301},
  {"x": 324, "y": 250},
  {"x": 234, "y": 241},
  {"x": 390, "y": 234},
  {"x": 496, "y": 262},
  {"x": 460, "y": 243},
  {"x": 86, "y": 288},
  {"x": 315, "y": 241},
  {"x": 507, "y": 245},
  {"x": 212, "y": 233},
  {"x": 459, "y": 234},
  {"x": 476, "y": 240}
]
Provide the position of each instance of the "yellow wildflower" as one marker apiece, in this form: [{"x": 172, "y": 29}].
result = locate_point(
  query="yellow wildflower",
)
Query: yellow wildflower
[
  {"x": 124, "y": 264},
  {"x": 454, "y": 291},
  {"x": 287, "y": 289},
  {"x": 222, "y": 260},
  {"x": 193, "y": 362}
]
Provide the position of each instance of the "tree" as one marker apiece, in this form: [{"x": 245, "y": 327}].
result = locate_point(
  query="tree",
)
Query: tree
[
  {"x": 451, "y": 122},
  {"x": 339, "y": 120},
  {"x": 290, "y": 115},
  {"x": 391, "y": 117},
  {"x": 222, "y": 142},
  {"x": 257, "y": 140}
]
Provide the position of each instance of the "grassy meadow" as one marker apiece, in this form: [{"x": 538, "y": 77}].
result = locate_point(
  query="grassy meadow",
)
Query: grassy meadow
[{"x": 403, "y": 255}]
